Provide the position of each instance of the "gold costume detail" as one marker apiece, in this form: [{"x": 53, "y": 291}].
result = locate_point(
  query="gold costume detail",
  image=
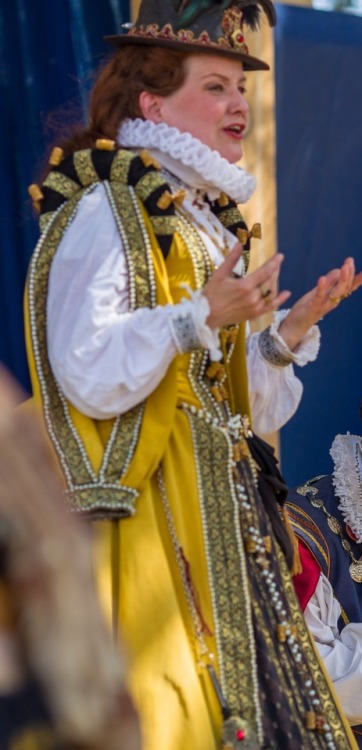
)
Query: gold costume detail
[
  {"x": 105, "y": 144},
  {"x": 149, "y": 160},
  {"x": 246, "y": 234},
  {"x": 84, "y": 167},
  {"x": 56, "y": 156},
  {"x": 205, "y": 536}
]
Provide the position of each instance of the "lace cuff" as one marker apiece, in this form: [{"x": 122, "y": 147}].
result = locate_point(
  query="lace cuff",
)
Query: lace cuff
[
  {"x": 275, "y": 351},
  {"x": 270, "y": 350},
  {"x": 188, "y": 325}
]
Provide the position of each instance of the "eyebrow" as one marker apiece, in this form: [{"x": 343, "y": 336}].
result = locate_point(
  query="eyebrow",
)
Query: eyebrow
[{"x": 223, "y": 78}]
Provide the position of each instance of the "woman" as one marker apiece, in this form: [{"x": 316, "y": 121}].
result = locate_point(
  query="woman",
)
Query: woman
[{"x": 140, "y": 369}]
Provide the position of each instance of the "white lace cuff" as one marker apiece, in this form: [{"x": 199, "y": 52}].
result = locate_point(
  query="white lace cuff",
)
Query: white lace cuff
[
  {"x": 306, "y": 351},
  {"x": 188, "y": 325}
]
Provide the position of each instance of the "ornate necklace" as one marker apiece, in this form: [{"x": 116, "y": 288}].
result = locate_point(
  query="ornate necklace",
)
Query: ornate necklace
[
  {"x": 311, "y": 493},
  {"x": 206, "y": 224}
]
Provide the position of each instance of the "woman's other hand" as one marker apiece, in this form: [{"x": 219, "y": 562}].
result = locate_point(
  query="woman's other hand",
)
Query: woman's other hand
[
  {"x": 233, "y": 300},
  {"x": 329, "y": 291}
]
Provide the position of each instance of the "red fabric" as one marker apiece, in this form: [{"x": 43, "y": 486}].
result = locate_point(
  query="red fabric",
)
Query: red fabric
[{"x": 305, "y": 583}]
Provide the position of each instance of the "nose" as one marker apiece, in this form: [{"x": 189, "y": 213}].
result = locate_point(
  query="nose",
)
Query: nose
[{"x": 238, "y": 103}]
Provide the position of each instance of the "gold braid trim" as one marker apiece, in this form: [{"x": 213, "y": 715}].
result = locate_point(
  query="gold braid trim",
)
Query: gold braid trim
[{"x": 93, "y": 475}]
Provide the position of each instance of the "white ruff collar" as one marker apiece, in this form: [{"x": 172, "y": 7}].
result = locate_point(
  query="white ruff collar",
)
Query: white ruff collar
[
  {"x": 346, "y": 452},
  {"x": 197, "y": 165}
]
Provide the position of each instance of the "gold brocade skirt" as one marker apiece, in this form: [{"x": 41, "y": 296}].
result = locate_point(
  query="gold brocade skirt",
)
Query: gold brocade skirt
[
  {"x": 175, "y": 700},
  {"x": 186, "y": 543}
]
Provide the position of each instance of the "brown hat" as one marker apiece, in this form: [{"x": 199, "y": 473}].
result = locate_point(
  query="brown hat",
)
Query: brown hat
[{"x": 214, "y": 26}]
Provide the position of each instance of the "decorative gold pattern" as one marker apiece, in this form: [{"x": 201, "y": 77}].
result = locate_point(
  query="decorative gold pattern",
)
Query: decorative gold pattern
[
  {"x": 136, "y": 244},
  {"x": 120, "y": 166},
  {"x": 105, "y": 144},
  {"x": 87, "y": 490},
  {"x": 85, "y": 487},
  {"x": 44, "y": 220},
  {"x": 307, "y": 490},
  {"x": 226, "y": 524},
  {"x": 61, "y": 184},
  {"x": 154, "y": 31},
  {"x": 56, "y": 156},
  {"x": 148, "y": 160},
  {"x": 165, "y": 224},
  {"x": 96, "y": 493},
  {"x": 84, "y": 167},
  {"x": 222, "y": 533},
  {"x": 164, "y": 200},
  {"x": 230, "y": 217},
  {"x": 246, "y": 234},
  {"x": 310, "y": 534},
  {"x": 231, "y": 25},
  {"x": 226, "y": 529},
  {"x": 147, "y": 184},
  {"x": 35, "y": 192},
  {"x": 355, "y": 570}
]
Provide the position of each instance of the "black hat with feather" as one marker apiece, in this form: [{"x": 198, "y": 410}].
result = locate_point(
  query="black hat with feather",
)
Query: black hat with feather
[{"x": 215, "y": 26}]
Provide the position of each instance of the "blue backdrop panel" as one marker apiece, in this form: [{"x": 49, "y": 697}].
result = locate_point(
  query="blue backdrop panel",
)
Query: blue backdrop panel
[
  {"x": 319, "y": 193},
  {"x": 47, "y": 52}
]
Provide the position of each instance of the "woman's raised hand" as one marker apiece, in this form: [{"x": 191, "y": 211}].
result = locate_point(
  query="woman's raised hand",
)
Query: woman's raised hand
[
  {"x": 329, "y": 291},
  {"x": 233, "y": 300}
]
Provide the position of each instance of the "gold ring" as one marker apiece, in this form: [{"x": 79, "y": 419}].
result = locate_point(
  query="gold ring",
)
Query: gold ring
[
  {"x": 335, "y": 300},
  {"x": 265, "y": 292}
]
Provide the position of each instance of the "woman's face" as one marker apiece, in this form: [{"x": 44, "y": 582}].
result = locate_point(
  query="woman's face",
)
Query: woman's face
[{"x": 210, "y": 104}]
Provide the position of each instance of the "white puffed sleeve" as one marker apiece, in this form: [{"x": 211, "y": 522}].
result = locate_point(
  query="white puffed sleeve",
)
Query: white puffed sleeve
[
  {"x": 275, "y": 392},
  {"x": 341, "y": 652},
  {"x": 105, "y": 358}
]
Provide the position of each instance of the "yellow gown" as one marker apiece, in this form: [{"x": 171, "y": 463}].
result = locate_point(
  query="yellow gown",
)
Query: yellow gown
[{"x": 187, "y": 565}]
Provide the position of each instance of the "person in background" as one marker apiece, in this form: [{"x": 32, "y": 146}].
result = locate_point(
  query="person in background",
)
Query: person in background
[
  {"x": 62, "y": 684},
  {"x": 326, "y": 513},
  {"x": 137, "y": 300}
]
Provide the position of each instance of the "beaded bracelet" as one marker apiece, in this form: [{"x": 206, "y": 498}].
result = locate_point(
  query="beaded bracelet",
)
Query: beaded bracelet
[
  {"x": 269, "y": 350},
  {"x": 184, "y": 331}
]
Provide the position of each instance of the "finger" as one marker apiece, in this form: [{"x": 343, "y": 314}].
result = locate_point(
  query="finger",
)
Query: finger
[
  {"x": 342, "y": 286},
  {"x": 347, "y": 275},
  {"x": 227, "y": 266},
  {"x": 279, "y": 300},
  {"x": 330, "y": 288},
  {"x": 273, "y": 284},
  {"x": 357, "y": 282},
  {"x": 269, "y": 269},
  {"x": 330, "y": 279}
]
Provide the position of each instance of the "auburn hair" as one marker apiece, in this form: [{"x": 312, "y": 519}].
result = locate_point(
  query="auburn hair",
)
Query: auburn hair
[{"x": 115, "y": 93}]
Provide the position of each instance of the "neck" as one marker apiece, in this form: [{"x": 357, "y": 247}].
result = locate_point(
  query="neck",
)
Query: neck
[{"x": 188, "y": 158}]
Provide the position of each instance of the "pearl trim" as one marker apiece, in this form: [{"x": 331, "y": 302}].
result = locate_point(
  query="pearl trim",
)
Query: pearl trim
[{"x": 96, "y": 482}]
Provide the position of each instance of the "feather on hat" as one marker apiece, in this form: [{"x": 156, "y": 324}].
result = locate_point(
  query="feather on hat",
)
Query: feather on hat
[{"x": 215, "y": 26}]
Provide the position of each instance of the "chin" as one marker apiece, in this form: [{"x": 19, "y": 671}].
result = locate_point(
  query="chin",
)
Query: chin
[
  {"x": 232, "y": 155},
  {"x": 233, "y": 158}
]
